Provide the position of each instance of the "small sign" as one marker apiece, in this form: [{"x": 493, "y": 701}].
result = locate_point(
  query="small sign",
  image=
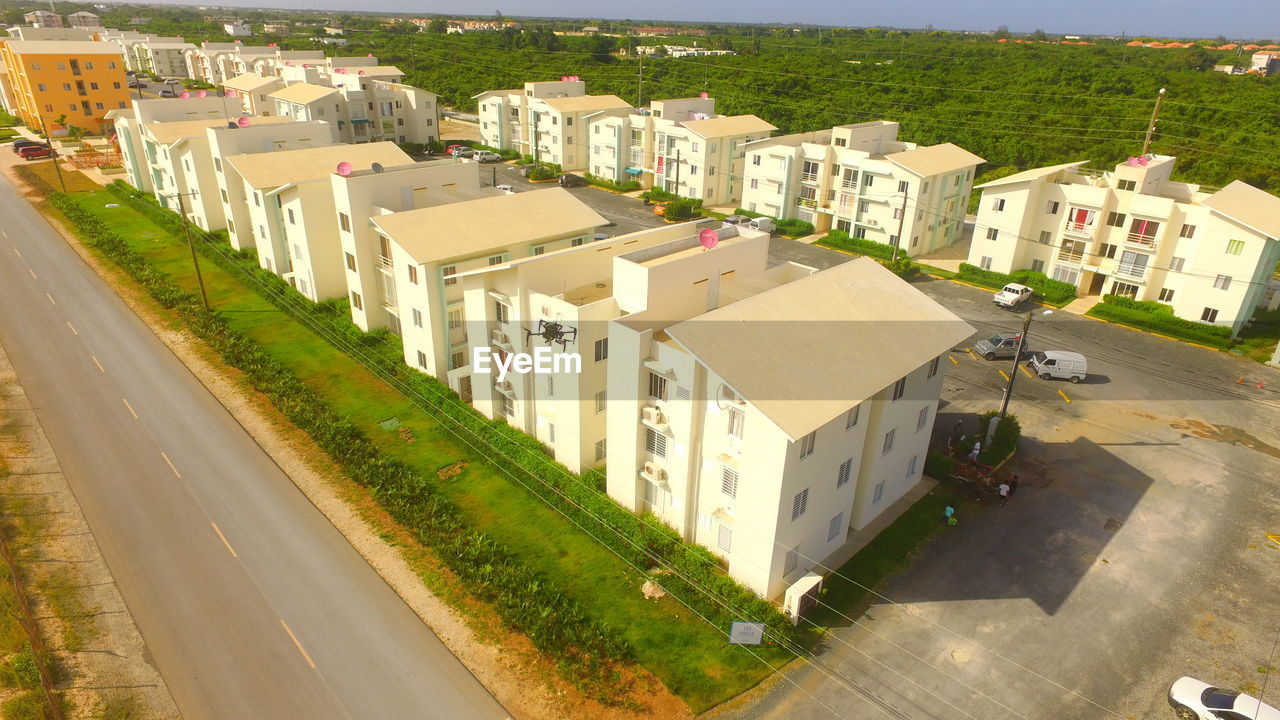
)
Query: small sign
[{"x": 746, "y": 633}]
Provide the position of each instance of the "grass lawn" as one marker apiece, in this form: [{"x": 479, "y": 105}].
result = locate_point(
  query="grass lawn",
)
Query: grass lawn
[
  {"x": 1258, "y": 341},
  {"x": 76, "y": 181}
]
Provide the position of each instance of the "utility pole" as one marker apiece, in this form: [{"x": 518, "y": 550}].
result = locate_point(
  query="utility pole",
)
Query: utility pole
[
  {"x": 534, "y": 139},
  {"x": 1155, "y": 115},
  {"x": 1013, "y": 370},
  {"x": 195, "y": 260},
  {"x": 902, "y": 219},
  {"x": 57, "y": 165},
  {"x": 677, "y": 172},
  {"x": 640, "y": 82}
]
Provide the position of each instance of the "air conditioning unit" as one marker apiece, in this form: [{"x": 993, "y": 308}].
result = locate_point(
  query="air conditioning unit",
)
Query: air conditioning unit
[
  {"x": 872, "y": 223},
  {"x": 503, "y": 387},
  {"x": 652, "y": 415},
  {"x": 499, "y": 337},
  {"x": 650, "y": 469}
]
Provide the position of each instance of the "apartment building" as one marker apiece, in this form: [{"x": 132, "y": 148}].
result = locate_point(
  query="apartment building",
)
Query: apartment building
[
  {"x": 254, "y": 92},
  {"x": 162, "y": 57},
  {"x": 237, "y": 28},
  {"x": 678, "y": 145},
  {"x": 291, "y": 210},
  {"x": 745, "y": 410},
  {"x": 364, "y": 108},
  {"x": 79, "y": 79},
  {"x": 366, "y": 193},
  {"x": 1135, "y": 232},
  {"x": 429, "y": 247},
  {"x": 84, "y": 19},
  {"x": 215, "y": 62},
  {"x": 865, "y": 181},
  {"x": 43, "y": 19},
  {"x": 544, "y": 119},
  {"x": 128, "y": 124}
]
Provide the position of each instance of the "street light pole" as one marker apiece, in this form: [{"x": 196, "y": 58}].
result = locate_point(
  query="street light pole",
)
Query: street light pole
[
  {"x": 902, "y": 219},
  {"x": 195, "y": 260}
]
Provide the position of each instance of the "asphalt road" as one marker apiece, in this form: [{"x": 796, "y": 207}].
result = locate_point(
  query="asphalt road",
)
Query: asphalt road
[
  {"x": 251, "y": 603},
  {"x": 627, "y": 214}
]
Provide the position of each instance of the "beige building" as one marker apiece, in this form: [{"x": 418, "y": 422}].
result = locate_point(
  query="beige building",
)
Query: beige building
[
  {"x": 363, "y": 107},
  {"x": 253, "y": 92},
  {"x": 544, "y": 119},
  {"x": 44, "y": 19},
  {"x": 861, "y": 179},
  {"x": 1135, "y": 232},
  {"x": 138, "y": 162},
  {"x": 84, "y": 19},
  {"x": 678, "y": 145}
]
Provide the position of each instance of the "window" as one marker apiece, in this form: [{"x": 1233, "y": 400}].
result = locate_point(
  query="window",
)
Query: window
[
  {"x": 998, "y": 205},
  {"x": 992, "y": 233},
  {"x": 655, "y": 442},
  {"x": 1053, "y": 207},
  {"x": 799, "y": 503},
  {"x": 755, "y": 184},
  {"x": 351, "y": 262},
  {"x": 985, "y": 262},
  {"x": 356, "y": 302},
  {"x": 66, "y": 86},
  {"x": 1166, "y": 295},
  {"x": 1106, "y": 251},
  {"x": 455, "y": 318},
  {"x": 291, "y": 219},
  {"x": 844, "y": 473},
  {"x": 1127, "y": 185},
  {"x": 867, "y": 179},
  {"x": 790, "y": 562},
  {"x": 755, "y": 159},
  {"x": 344, "y": 220},
  {"x": 447, "y": 273},
  {"x": 93, "y": 86},
  {"x": 737, "y": 419},
  {"x": 1222, "y": 282},
  {"x": 837, "y": 526},
  {"x": 413, "y": 274},
  {"x": 495, "y": 260},
  {"x": 257, "y": 200},
  {"x": 602, "y": 449},
  {"x": 806, "y": 444},
  {"x": 509, "y": 409},
  {"x": 878, "y": 495},
  {"x": 1235, "y": 247},
  {"x": 903, "y": 185},
  {"x": 1123, "y": 289},
  {"x": 657, "y": 386},
  {"x": 851, "y": 417},
  {"x": 601, "y": 402},
  {"x": 551, "y": 386},
  {"x": 1209, "y": 315},
  {"x": 899, "y": 389},
  {"x": 1037, "y": 266},
  {"x": 933, "y": 366},
  {"x": 1175, "y": 264},
  {"x": 115, "y": 86},
  {"x": 1187, "y": 231},
  {"x": 501, "y": 312},
  {"x": 912, "y": 465},
  {"x": 417, "y": 317},
  {"x": 922, "y": 418},
  {"x": 1046, "y": 237},
  {"x": 539, "y": 249},
  {"x": 695, "y": 147},
  {"x": 1115, "y": 219},
  {"x": 602, "y": 349},
  {"x": 887, "y": 446},
  {"x": 724, "y": 538},
  {"x": 729, "y": 482},
  {"x": 225, "y": 200}
]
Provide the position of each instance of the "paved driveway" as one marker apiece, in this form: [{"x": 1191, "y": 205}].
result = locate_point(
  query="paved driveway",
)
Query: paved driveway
[
  {"x": 1136, "y": 551},
  {"x": 628, "y": 214}
]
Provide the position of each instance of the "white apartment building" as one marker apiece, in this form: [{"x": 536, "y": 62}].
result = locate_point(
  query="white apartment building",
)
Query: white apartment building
[
  {"x": 43, "y": 19},
  {"x": 84, "y": 19},
  {"x": 215, "y": 62},
  {"x": 746, "y": 409},
  {"x": 239, "y": 28},
  {"x": 365, "y": 194},
  {"x": 253, "y": 92},
  {"x": 678, "y": 145},
  {"x": 1137, "y": 233},
  {"x": 544, "y": 119},
  {"x": 163, "y": 57},
  {"x": 363, "y": 108},
  {"x": 129, "y": 121},
  {"x": 430, "y": 247},
  {"x": 291, "y": 210},
  {"x": 863, "y": 180}
]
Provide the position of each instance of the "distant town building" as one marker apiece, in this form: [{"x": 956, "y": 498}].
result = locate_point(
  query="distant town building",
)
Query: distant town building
[
  {"x": 277, "y": 28},
  {"x": 44, "y": 19},
  {"x": 83, "y": 19},
  {"x": 1265, "y": 62},
  {"x": 665, "y": 30},
  {"x": 237, "y": 28}
]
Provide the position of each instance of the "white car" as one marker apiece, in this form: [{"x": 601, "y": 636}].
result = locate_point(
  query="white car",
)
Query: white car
[
  {"x": 1195, "y": 700},
  {"x": 505, "y": 188},
  {"x": 1012, "y": 295}
]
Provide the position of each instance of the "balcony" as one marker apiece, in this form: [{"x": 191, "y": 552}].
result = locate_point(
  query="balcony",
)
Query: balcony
[
  {"x": 1079, "y": 228},
  {"x": 1071, "y": 254},
  {"x": 384, "y": 262},
  {"x": 810, "y": 203},
  {"x": 849, "y": 185},
  {"x": 1132, "y": 270},
  {"x": 1141, "y": 239},
  {"x": 809, "y": 177}
]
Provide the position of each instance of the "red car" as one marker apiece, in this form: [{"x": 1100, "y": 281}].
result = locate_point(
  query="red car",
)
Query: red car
[{"x": 33, "y": 152}]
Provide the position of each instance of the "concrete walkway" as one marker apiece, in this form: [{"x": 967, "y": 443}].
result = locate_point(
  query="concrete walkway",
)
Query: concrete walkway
[{"x": 1082, "y": 305}]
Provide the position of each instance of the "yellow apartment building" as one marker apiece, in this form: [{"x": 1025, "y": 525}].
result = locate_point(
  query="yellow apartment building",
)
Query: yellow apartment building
[{"x": 83, "y": 80}]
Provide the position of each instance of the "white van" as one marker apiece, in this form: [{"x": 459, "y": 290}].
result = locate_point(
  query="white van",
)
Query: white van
[
  {"x": 763, "y": 224},
  {"x": 1050, "y": 364}
]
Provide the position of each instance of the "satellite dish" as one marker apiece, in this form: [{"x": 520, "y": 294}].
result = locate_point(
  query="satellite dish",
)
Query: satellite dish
[
  {"x": 289, "y": 63},
  {"x": 229, "y": 93},
  {"x": 201, "y": 94},
  {"x": 340, "y": 71},
  {"x": 344, "y": 168},
  {"x": 306, "y": 66},
  {"x": 361, "y": 72},
  {"x": 708, "y": 238},
  {"x": 184, "y": 95},
  {"x": 368, "y": 54},
  {"x": 243, "y": 122},
  {"x": 377, "y": 167},
  {"x": 232, "y": 125}
]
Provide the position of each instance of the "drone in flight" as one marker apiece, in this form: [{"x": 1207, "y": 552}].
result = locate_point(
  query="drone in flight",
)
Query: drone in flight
[{"x": 553, "y": 332}]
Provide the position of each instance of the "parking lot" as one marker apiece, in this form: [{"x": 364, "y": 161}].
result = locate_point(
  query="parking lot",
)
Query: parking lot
[
  {"x": 627, "y": 214},
  {"x": 1144, "y": 543}
]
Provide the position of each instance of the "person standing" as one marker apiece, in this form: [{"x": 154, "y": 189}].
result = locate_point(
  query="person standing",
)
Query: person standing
[
  {"x": 1013, "y": 485},
  {"x": 973, "y": 454},
  {"x": 1004, "y": 494}
]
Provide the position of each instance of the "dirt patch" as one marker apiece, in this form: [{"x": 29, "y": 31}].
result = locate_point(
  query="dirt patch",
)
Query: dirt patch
[
  {"x": 1226, "y": 434},
  {"x": 450, "y": 472},
  {"x": 451, "y": 129}
]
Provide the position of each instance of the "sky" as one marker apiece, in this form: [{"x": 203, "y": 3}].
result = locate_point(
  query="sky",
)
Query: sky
[{"x": 1243, "y": 19}]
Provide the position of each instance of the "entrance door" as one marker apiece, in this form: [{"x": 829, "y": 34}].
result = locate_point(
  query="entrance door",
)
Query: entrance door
[{"x": 1096, "y": 285}]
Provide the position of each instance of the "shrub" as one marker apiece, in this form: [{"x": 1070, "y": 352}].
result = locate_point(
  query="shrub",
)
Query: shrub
[
  {"x": 1052, "y": 292},
  {"x": 795, "y": 228},
  {"x": 938, "y": 466},
  {"x": 682, "y": 209},
  {"x": 903, "y": 267},
  {"x": 628, "y": 186},
  {"x": 748, "y": 213},
  {"x": 656, "y": 194},
  {"x": 840, "y": 240},
  {"x": 542, "y": 172},
  {"x": 1159, "y": 318},
  {"x": 25, "y": 670},
  {"x": 1005, "y": 440}
]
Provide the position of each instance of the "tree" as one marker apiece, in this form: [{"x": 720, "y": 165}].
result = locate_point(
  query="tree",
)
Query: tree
[
  {"x": 1002, "y": 32},
  {"x": 438, "y": 26}
]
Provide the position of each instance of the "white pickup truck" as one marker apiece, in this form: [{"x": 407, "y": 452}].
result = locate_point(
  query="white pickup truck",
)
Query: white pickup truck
[{"x": 1012, "y": 295}]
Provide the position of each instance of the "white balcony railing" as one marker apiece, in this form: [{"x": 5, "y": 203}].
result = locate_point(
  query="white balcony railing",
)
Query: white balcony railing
[
  {"x": 384, "y": 262},
  {"x": 1146, "y": 241},
  {"x": 1083, "y": 228},
  {"x": 809, "y": 177},
  {"x": 1132, "y": 270}
]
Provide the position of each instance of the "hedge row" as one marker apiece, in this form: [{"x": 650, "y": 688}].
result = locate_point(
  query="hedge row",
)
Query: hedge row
[
  {"x": 1159, "y": 318},
  {"x": 643, "y": 541},
  {"x": 622, "y": 187},
  {"x": 840, "y": 240},
  {"x": 1052, "y": 292},
  {"x": 588, "y": 653},
  {"x": 1005, "y": 440},
  {"x": 36, "y": 182}
]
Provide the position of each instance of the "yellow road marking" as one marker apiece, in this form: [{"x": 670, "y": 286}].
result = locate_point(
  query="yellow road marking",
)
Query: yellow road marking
[
  {"x": 1274, "y": 537},
  {"x": 970, "y": 351},
  {"x": 953, "y": 360},
  {"x": 302, "y": 650},
  {"x": 171, "y": 467},
  {"x": 73, "y": 328},
  {"x": 16, "y": 250},
  {"x": 1064, "y": 396},
  {"x": 1024, "y": 369},
  {"x": 55, "y": 302},
  {"x": 33, "y": 272},
  {"x": 224, "y": 542},
  {"x": 1004, "y": 374},
  {"x": 4, "y": 233},
  {"x": 130, "y": 407},
  {"x": 95, "y": 362}
]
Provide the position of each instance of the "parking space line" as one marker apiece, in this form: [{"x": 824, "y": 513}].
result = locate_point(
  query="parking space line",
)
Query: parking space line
[
  {"x": 1004, "y": 375},
  {"x": 171, "y": 466},
  {"x": 95, "y": 362},
  {"x": 971, "y": 353},
  {"x": 73, "y": 328},
  {"x": 1024, "y": 369},
  {"x": 130, "y": 408},
  {"x": 1064, "y": 396},
  {"x": 33, "y": 273},
  {"x": 953, "y": 360},
  {"x": 55, "y": 302}
]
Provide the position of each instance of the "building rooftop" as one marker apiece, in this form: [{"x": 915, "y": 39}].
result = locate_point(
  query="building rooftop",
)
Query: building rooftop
[
  {"x": 725, "y": 126},
  {"x": 167, "y": 133},
  {"x": 250, "y": 82},
  {"x": 1249, "y": 206},
  {"x": 474, "y": 226},
  {"x": 805, "y": 352},
  {"x": 369, "y": 70},
  {"x": 64, "y": 47},
  {"x": 1032, "y": 174},
  {"x": 273, "y": 169},
  {"x": 302, "y": 93},
  {"x": 585, "y": 103},
  {"x": 935, "y": 159}
]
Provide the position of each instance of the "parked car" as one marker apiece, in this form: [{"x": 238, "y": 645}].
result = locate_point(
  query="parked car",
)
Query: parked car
[
  {"x": 1059, "y": 364},
  {"x": 1003, "y": 345},
  {"x": 1012, "y": 295},
  {"x": 450, "y": 148},
  {"x": 505, "y": 188},
  {"x": 135, "y": 84},
  {"x": 168, "y": 93},
  {"x": 571, "y": 180},
  {"x": 660, "y": 208},
  {"x": 461, "y": 151},
  {"x": 487, "y": 156},
  {"x": 26, "y": 142},
  {"x": 763, "y": 224},
  {"x": 1192, "y": 699},
  {"x": 599, "y": 237},
  {"x": 736, "y": 220},
  {"x": 34, "y": 152}
]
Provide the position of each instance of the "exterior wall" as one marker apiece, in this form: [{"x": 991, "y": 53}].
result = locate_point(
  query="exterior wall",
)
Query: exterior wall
[
  {"x": 310, "y": 236},
  {"x": 266, "y": 227},
  {"x": 82, "y": 86},
  {"x": 507, "y": 122}
]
